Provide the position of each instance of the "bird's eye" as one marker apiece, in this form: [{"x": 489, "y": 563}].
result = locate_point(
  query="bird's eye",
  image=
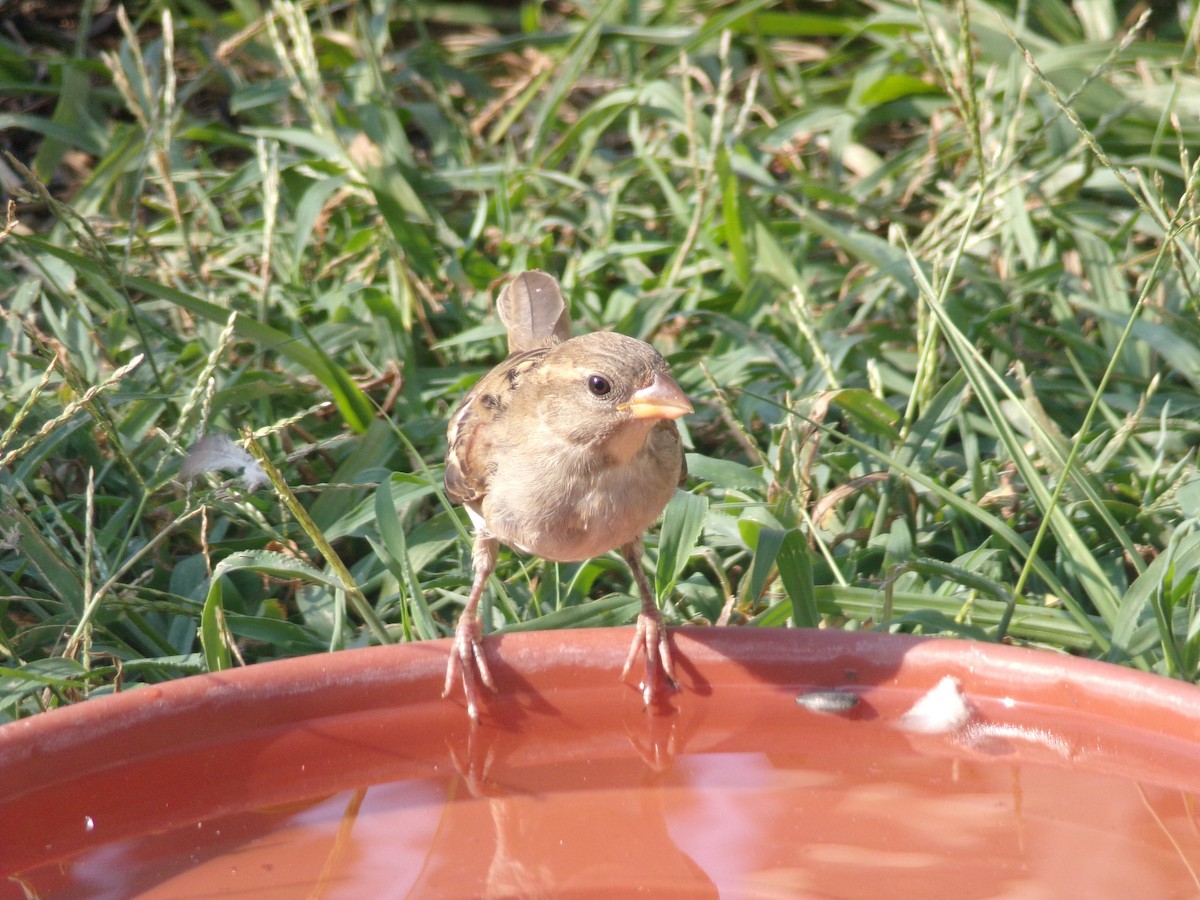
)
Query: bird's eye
[{"x": 598, "y": 385}]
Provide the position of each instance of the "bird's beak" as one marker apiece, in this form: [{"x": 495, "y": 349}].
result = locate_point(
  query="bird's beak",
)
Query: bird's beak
[{"x": 660, "y": 399}]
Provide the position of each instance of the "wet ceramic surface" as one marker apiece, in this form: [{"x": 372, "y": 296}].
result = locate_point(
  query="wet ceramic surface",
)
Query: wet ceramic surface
[{"x": 348, "y": 775}]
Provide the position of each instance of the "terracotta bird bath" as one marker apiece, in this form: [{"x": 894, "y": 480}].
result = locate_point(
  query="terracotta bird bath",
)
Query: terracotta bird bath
[{"x": 790, "y": 764}]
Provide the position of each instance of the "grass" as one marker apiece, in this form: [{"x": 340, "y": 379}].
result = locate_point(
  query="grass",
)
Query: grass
[{"x": 928, "y": 272}]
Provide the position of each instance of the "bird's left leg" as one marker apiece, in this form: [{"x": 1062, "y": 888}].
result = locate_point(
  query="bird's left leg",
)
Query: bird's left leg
[{"x": 651, "y": 635}]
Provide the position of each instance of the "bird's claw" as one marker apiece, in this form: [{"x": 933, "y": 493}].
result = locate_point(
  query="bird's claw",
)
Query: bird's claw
[
  {"x": 467, "y": 660},
  {"x": 652, "y": 639}
]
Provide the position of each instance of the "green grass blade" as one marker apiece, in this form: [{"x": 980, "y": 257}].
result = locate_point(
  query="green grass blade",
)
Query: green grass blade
[{"x": 683, "y": 521}]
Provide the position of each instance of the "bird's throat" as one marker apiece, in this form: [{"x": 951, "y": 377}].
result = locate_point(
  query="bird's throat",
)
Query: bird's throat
[{"x": 627, "y": 441}]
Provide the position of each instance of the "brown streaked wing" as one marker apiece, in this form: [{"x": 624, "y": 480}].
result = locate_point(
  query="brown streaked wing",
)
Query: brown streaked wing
[
  {"x": 473, "y": 425},
  {"x": 463, "y": 482}
]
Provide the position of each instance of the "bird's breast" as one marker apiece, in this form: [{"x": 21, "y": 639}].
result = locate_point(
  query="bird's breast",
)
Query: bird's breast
[{"x": 567, "y": 507}]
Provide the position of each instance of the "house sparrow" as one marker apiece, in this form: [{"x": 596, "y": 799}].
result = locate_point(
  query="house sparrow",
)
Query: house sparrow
[{"x": 566, "y": 450}]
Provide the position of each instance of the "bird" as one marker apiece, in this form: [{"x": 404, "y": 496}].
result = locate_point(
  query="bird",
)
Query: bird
[{"x": 566, "y": 450}]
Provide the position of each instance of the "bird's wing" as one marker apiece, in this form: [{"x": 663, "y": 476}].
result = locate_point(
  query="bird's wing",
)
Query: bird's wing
[
  {"x": 479, "y": 424},
  {"x": 683, "y": 470},
  {"x": 532, "y": 308}
]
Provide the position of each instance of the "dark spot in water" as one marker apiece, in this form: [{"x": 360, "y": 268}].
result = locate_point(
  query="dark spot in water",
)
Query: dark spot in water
[{"x": 828, "y": 701}]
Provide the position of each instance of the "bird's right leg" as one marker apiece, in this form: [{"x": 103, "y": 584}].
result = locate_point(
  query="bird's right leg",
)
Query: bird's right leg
[{"x": 466, "y": 656}]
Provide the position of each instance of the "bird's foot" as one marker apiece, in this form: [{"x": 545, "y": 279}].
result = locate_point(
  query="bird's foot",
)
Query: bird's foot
[
  {"x": 468, "y": 661},
  {"x": 651, "y": 638}
]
